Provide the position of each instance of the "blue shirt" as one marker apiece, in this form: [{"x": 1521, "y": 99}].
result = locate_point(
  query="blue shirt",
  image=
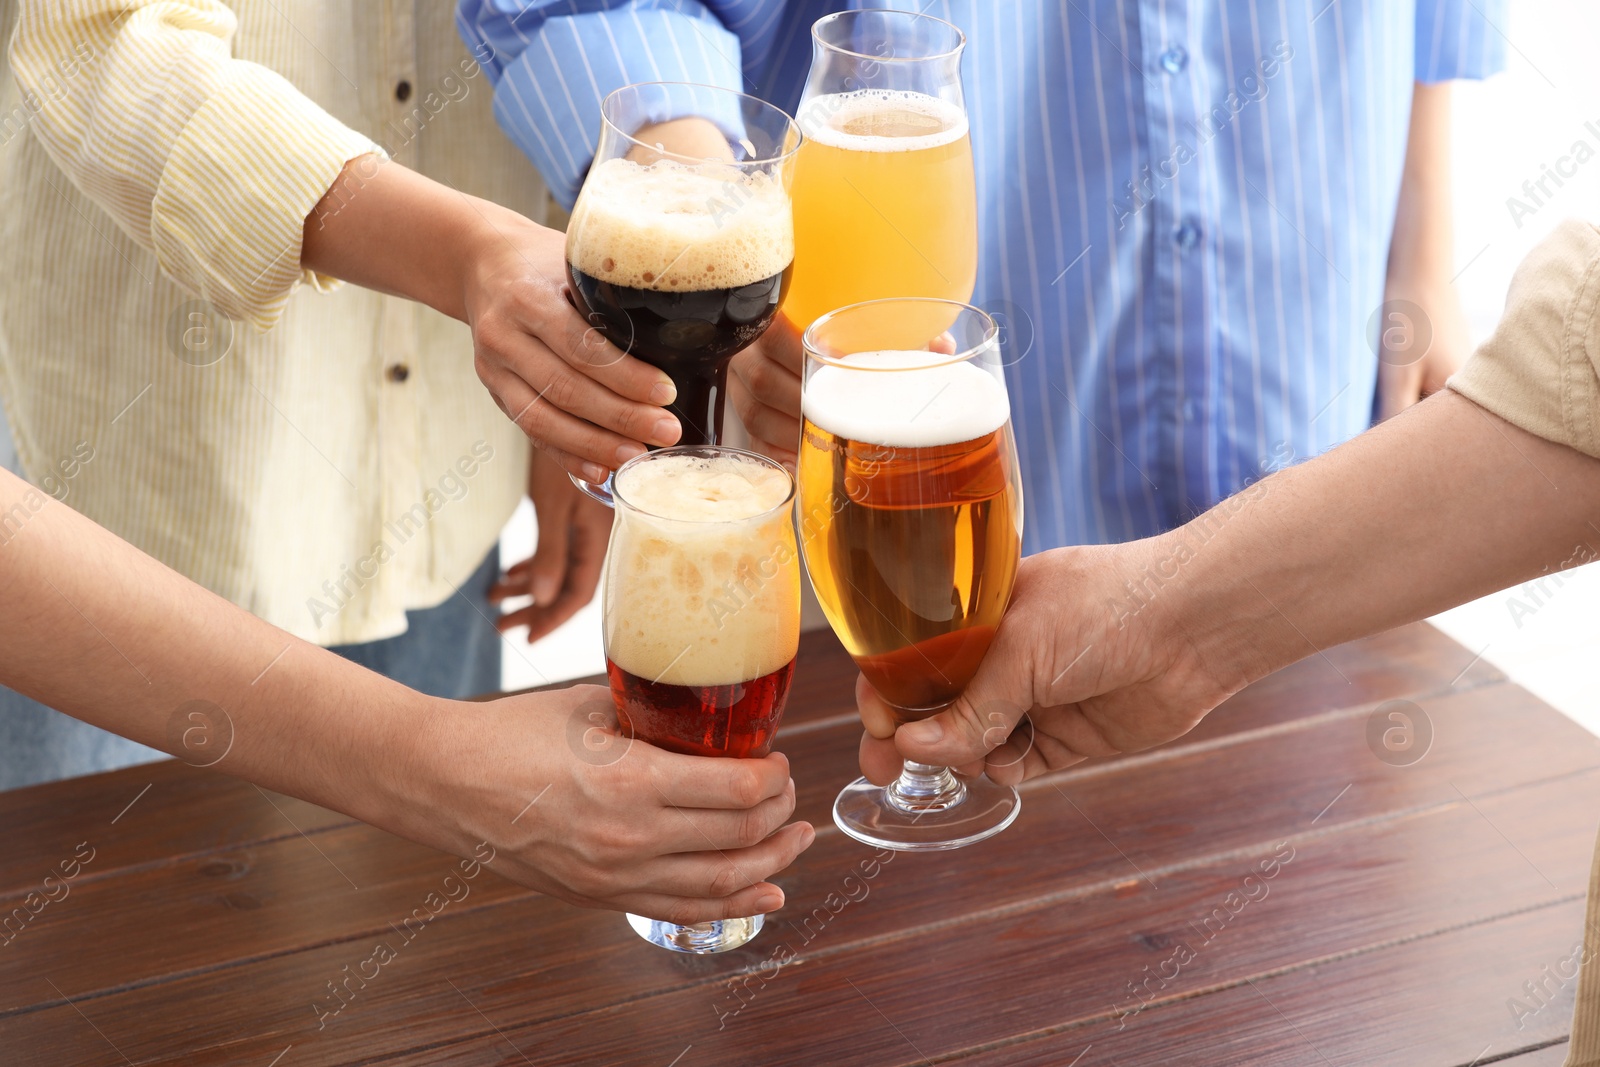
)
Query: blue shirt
[{"x": 1184, "y": 208}]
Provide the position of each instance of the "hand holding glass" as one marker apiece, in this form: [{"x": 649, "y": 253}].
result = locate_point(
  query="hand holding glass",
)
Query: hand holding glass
[
  {"x": 702, "y": 619},
  {"x": 911, "y": 523}
]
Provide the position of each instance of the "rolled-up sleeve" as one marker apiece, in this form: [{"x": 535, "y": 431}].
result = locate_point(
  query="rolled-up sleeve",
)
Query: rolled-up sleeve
[
  {"x": 553, "y": 63},
  {"x": 1460, "y": 39},
  {"x": 1541, "y": 369},
  {"x": 210, "y": 162}
]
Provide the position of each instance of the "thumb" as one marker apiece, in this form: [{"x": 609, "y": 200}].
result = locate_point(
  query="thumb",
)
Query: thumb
[
  {"x": 548, "y": 568},
  {"x": 980, "y": 720}
]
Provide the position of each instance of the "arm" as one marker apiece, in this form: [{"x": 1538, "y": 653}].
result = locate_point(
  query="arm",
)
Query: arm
[
  {"x": 110, "y": 636},
  {"x": 578, "y": 398},
  {"x": 174, "y": 139},
  {"x": 552, "y": 65},
  {"x": 1343, "y": 546},
  {"x": 1423, "y": 331},
  {"x": 243, "y": 188},
  {"x": 1493, "y": 482}
]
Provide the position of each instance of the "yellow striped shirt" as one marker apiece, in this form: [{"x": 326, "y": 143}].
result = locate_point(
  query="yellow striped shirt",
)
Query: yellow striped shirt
[{"x": 322, "y": 456}]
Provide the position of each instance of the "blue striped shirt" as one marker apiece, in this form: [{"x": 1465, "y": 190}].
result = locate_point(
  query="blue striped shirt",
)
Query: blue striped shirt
[{"x": 1184, "y": 209}]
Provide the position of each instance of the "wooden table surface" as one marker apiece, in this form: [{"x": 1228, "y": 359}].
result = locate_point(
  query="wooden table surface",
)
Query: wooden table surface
[{"x": 1128, "y": 917}]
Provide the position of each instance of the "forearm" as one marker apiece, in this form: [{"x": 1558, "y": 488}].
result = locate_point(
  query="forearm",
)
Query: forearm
[
  {"x": 385, "y": 227},
  {"x": 108, "y": 635},
  {"x": 1422, "y": 248},
  {"x": 1433, "y": 508}
]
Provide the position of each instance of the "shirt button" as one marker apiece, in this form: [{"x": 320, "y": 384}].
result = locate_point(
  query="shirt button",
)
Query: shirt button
[
  {"x": 399, "y": 372},
  {"x": 1190, "y": 410},
  {"x": 402, "y": 90},
  {"x": 1174, "y": 59},
  {"x": 1186, "y": 236}
]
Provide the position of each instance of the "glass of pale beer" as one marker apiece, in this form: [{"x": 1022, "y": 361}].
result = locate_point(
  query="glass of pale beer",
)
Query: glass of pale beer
[
  {"x": 911, "y": 527},
  {"x": 682, "y": 260},
  {"x": 884, "y": 196},
  {"x": 701, "y": 613}
]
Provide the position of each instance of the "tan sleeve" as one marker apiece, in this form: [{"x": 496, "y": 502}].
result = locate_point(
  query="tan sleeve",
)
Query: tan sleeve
[
  {"x": 210, "y": 162},
  {"x": 1541, "y": 369}
]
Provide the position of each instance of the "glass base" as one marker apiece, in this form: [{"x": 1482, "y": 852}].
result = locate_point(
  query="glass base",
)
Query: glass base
[
  {"x": 926, "y": 809},
  {"x": 719, "y": 935}
]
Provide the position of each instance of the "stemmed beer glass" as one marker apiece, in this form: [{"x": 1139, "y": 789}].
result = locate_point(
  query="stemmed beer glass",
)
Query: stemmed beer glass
[
  {"x": 911, "y": 526},
  {"x": 682, "y": 260}
]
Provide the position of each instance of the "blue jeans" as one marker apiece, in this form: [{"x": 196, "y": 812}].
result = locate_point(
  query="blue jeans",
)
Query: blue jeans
[{"x": 452, "y": 650}]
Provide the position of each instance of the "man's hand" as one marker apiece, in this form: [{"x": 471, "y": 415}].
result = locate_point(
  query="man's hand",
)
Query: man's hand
[
  {"x": 1098, "y": 670},
  {"x": 575, "y": 810},
  {"x": 565, "y": 568},
  {"x": 765, "y": 388}
]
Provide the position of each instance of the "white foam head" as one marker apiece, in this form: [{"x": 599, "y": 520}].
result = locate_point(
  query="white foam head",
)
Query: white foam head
[
  {"x": 703, "y": 579},
  {"x": 680, "y": 228},
  {"x": 857, "y": 398},
  {"x": 882, "y": 120}
]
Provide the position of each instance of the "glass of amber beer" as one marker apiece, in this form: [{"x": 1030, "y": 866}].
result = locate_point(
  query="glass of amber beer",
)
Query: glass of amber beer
[
  {"x": 701, "y": 615},
  {"x": 681, "y": 260},
  {"x": 884, "y": 197},
  {"x": 911, "y": 525}
]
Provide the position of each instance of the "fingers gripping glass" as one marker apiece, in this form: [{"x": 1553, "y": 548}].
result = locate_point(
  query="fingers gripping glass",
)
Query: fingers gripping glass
[
  {"x": 701, "y": 612},
  {"x": 679, "y": 253},
  {"x": 911, "y": 527}
]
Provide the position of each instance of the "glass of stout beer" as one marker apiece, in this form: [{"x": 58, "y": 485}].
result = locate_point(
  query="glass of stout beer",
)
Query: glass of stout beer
[
  {"x": 701, "y": 612},
  {"x": 683, "y": 260},
  {"x": 911, "y": 523}
]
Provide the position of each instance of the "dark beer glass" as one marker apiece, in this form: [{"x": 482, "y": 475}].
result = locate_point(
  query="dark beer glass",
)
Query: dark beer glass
[
  {"x": 701, "y": 612},
  {"x": 682, "y": 260}
]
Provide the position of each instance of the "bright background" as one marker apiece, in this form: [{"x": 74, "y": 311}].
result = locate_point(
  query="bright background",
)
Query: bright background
[{"x": 1507, "y": 130}]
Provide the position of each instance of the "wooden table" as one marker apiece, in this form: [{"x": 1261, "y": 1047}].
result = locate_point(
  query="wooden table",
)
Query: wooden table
[{"x": 1124, "y": 919}]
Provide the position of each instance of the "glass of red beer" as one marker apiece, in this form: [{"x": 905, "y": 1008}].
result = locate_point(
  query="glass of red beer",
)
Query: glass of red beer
[{"x": 701, "y": 615}]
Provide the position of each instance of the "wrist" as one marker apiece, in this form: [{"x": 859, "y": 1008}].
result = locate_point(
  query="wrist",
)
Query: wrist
[
  {"x": 491, "y": 242},
  {"x": 1214, "y": 619},
  {"x": 396, "y": 772}
]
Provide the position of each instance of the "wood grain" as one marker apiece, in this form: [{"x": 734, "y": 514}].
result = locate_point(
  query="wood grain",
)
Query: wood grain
[
  {"x": 1437, "y": 1000},
  {"x": 1416, "y": 901}
]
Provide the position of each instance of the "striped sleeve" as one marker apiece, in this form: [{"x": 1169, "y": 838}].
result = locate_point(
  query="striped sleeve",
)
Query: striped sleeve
[
  {"x": 553, "y": 61},
  {"x": 1460, "y": 39},
  {"x": 210, "y": 162}
]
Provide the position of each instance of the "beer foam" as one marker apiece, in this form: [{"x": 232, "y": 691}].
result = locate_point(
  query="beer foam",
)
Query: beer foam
[
  {"x": 680, "y": 228},
  {"x": 703, "y": 578},
  {"x": 849, "y": 121},
  {"x": 716, "y": 488},
  {"x": 940, "y": 405}
]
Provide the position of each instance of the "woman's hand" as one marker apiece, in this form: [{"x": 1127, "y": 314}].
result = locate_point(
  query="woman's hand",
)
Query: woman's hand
[
  {"x": 576, "y": 396},
  {"x": 576, "y": 810},
  {"x": 573, "y": 393}
]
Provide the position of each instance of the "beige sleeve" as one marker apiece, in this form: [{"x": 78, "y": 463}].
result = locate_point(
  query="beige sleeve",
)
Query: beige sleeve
[
  {"x": 210, "y": 162},
  {"x": 1541, "y": 369}
]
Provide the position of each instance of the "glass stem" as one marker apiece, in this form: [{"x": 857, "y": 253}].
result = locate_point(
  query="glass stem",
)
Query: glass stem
[{"x": 923, "y": 787}]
